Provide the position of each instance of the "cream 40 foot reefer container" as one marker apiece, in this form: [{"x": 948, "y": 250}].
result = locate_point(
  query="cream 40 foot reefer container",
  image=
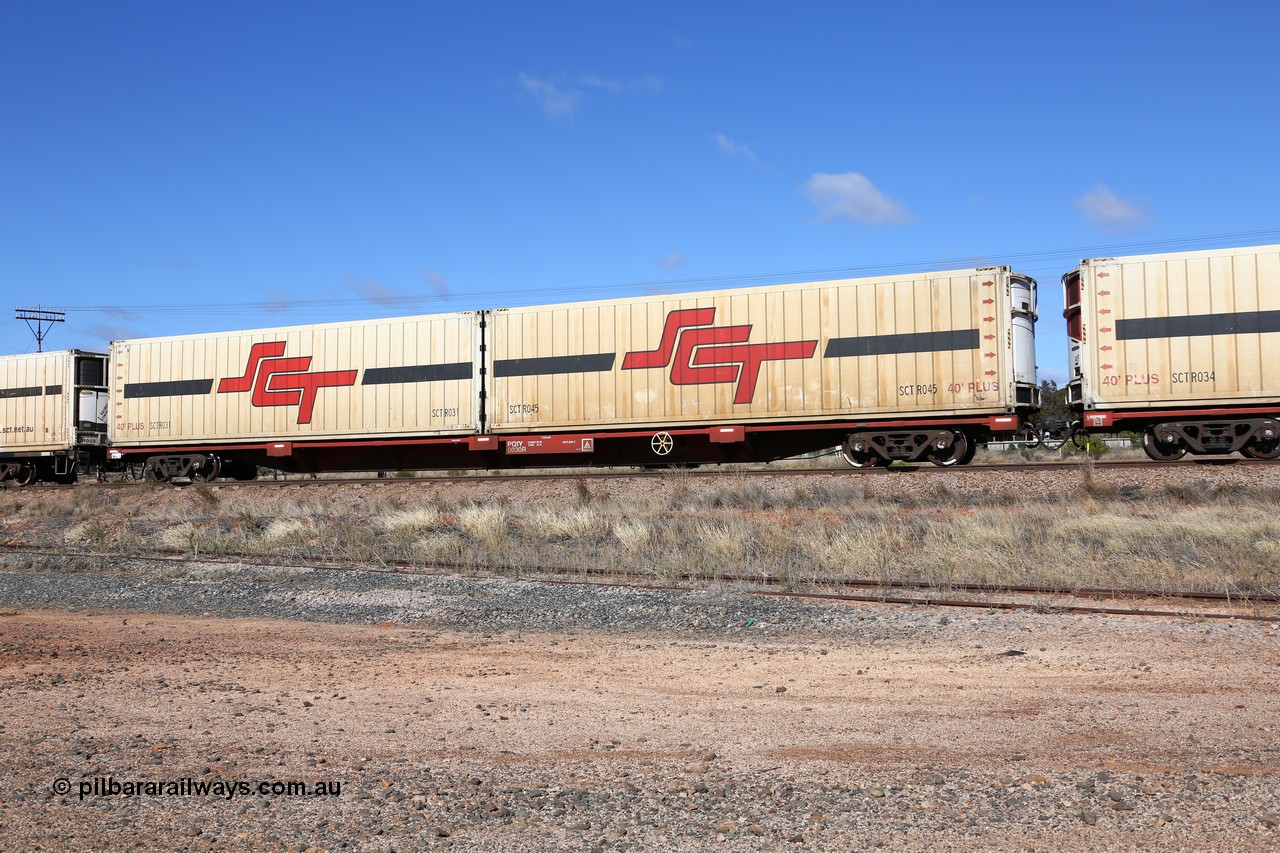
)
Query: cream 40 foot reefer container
[
  {"x": 900, "y": 367},
  {"x": 1184, "y": 348},
  {"x": 366, "y": 395},
  {"x": 53, "y": 415}
]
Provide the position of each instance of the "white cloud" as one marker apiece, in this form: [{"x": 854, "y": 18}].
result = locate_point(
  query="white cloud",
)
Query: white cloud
[
  {"x": 734, "y": 149},
  {"x": 560, "y": 97},
  {"x": 646, "y": 85},
  {"x": 673, "y": 261},
  {"x": 558, "y": 104},
  {"x": 1057, "y": 374},
  {"x": 853, "y": 196},
  {"x": 1107, "y": 210}
]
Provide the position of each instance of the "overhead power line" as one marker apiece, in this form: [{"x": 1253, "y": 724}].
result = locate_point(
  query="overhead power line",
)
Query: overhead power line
[{"x": 39, "y": 316}]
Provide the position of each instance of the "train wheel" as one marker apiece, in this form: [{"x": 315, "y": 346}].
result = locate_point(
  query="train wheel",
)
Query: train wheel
[
  {"x": 1262, "y": 449},
  {"x": 1030, "y": 437},
  {"x": 959, "y": 453},
  {"x": 210, "y": 470},
  {"x": 1159, "y": 450},
  {"x": 27, "y": 475},
  {"x": 859, "y": 454},
  {"x": 154, "y": 474}
]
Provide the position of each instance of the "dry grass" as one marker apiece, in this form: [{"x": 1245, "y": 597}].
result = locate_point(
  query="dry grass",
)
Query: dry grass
[
  {"x": 484, "y": 523},
  {"x": 411, "y": 522},
  {"x": 574, "y": 523},
  {"x": 1188, "y": 536}
]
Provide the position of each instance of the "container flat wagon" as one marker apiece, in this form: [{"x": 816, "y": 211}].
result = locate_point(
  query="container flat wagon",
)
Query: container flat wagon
[
  {"x": 367, "y": 395},
  {"x": 1183, "y": 348},
  {"x": 903, "y": 367},
  {"x": 53, "y": 415},
  {"x": 906, "y": 367}
]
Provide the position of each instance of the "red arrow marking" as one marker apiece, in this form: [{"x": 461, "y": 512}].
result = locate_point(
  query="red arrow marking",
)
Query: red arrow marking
[
  {"x": 991, "y": 373},
  {"x": 988, "y": 302},
  {"x": 1104, "y": 292},
  {"x": 1106, "y": 367},
  {"x": 988, "y": 319},
  {"x": 1105, "y": 329},
  {"x": 1104, "y": 275},
  {"x": 989, "y": 337},
  {"x": 988, "y": 284},
  {"x": 1105, "y": 349},
  {"x": 1105, "y": 311},
  {"x": 988, "y": 355}
]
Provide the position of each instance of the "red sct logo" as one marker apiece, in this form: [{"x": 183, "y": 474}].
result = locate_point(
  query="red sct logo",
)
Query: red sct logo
[
  {"x": 277, "y": 381},
  {"x": 700, "y": 353}
]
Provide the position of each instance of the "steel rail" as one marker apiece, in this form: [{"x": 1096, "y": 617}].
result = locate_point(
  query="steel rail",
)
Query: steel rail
[
  {"x": 496, "y": 476},
  {"x": 406, "y": 568},
  {"x": 1114, "y": 593}
]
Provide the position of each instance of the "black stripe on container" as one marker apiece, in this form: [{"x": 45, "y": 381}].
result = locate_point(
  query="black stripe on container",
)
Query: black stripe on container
[
  {"x": 958, "y": 339},
  {"x": 53, "y": 389},
  {"x": 593, "y": 363},
  {"x": 178, "y": 388},
  {"x": 32, "y": 391},
  {"x": 417, "y": 373},
  {"x": 1198, "y": 325}
]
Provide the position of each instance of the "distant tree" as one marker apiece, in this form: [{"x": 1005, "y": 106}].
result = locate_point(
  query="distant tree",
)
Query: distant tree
[{"x": 1053, "y": 401}]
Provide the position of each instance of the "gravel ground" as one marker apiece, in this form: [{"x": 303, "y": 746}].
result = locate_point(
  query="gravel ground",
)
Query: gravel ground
[{"x": 501, "y": 714}]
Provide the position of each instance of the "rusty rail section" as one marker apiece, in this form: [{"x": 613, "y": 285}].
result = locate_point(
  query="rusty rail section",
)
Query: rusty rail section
[
  {"x": 600, "y": 577},
  {"x": 484, "y": 476}
]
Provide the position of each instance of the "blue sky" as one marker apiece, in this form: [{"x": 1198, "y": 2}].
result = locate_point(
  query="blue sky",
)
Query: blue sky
[{"x": 177, "y": 167}]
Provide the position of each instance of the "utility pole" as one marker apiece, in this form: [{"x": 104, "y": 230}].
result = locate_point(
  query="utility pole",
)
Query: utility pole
[{"x": 40, "y": 316}]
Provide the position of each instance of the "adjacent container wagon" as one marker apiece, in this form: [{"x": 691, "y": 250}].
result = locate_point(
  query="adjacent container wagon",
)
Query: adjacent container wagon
[
  {"x": 53, "y": 415},
  {"x": 1183, "y": 348},
  {"x": 903, "y": 367}
]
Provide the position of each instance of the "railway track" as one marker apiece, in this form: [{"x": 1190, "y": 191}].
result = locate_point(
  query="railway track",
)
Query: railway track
[
  {"x": 293, "y": 480},
  {"x": 1012, "y": 597}
]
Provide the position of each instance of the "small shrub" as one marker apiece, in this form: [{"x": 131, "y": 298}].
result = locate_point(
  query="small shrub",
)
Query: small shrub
[
  {"x": 485, "y": 524},
  {"x": 580, "y": 523},
  {"x": 411, "y": 522},
  {"x": 88, "y": 533},
  {"x": 633, "y": 535},
  {"x": 286, "y": 531},
  {"x": 177, "y": 538},
  {"x": 1096, "y": 448}
]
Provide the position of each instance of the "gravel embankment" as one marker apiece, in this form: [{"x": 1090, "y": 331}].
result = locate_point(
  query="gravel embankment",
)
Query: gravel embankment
[{"x": 500, "y": 714}]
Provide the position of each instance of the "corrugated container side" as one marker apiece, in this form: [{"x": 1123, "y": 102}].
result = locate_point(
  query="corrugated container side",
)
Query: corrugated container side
[
  {"x": 410, "y": 376},
  {"x": 929, "y": 344},
  {"x": 1182, "y": 329},
  {"x": 36, "y": 395}
]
